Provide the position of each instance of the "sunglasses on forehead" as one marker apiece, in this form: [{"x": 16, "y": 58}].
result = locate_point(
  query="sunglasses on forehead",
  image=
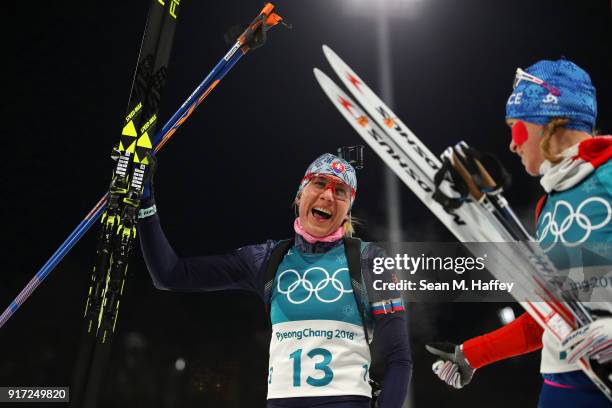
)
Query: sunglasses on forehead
[{"x": 524, "y": 76}]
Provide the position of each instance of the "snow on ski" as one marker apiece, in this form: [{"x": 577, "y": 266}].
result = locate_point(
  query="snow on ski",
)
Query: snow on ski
[{"x": 416, "y": 166}]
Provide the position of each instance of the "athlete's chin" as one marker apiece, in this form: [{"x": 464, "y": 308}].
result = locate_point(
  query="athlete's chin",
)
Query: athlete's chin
[
  {"x": 531, "y": 167},
  {"x": 317, "y": 232},
  {"x": 533, "y": 173},
  {"x": 318, "y": 229}
]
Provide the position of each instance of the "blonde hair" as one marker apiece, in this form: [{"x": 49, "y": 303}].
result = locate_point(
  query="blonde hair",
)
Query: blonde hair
[
  {"x": 547, "y": 133},
  {"x": 349, "y": 225}
]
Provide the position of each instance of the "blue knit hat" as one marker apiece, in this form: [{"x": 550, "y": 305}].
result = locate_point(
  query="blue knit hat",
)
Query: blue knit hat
[
  {"x": 550, "y": 89},
  {"x": 331, "y": 165}
]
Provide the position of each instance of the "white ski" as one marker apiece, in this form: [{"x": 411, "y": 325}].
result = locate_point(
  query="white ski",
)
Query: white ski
[
  {"x": 473, "y": 221},
  {"x": 388, "y": 150}
]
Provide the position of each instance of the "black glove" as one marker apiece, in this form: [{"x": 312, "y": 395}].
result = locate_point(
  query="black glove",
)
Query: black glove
[
  {"x": 232, "y": 33},
  {"x": 149, "y": 190},
  {"x": 453, "y": 368},
  {"x": 255, "y": 40}
]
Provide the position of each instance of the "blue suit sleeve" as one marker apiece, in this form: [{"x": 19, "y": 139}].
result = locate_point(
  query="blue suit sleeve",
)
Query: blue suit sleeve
[
  {"x": 390, "y": 333},
  {"x": 240, "y": 269}
]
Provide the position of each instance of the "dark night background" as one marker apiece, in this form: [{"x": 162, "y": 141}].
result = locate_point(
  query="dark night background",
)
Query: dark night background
[{"x": 228, "y": 176}]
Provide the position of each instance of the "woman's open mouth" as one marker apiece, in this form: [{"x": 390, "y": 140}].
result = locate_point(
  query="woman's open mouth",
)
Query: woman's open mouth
[{"x": 321, "y": 213}]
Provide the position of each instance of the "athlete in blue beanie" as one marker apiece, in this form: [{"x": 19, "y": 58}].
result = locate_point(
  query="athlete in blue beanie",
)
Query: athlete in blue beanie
[{"x": 552, "y": 112}]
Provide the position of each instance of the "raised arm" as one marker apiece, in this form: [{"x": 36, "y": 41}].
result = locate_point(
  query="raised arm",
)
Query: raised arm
[{"x": 240, "y": 269}]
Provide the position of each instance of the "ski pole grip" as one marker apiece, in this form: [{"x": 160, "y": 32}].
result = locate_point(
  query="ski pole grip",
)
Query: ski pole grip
[
  {"x": 262, "y": 17},
  {"x": 255, "y": 34},
  {"x": 267, "y": 9},
  {"x": 273, "y": 19},
  {"x": 486, "y": 177},
  {"x": 472, "y": 187}
]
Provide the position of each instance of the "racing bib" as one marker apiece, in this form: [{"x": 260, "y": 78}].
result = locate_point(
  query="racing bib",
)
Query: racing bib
[{"x": 318, "y": 346}]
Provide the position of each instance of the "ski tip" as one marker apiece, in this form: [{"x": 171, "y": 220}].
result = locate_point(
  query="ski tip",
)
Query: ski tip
[
  {"x": 336, "y": 62},
  {"x": 320, "y": 75},
  {"x": 328, "y": 51}
]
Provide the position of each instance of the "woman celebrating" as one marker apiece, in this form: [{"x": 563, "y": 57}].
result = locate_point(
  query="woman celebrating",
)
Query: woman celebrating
[
  {"x": 552, "y": 112},
  {"x": 321, "y": 311}
]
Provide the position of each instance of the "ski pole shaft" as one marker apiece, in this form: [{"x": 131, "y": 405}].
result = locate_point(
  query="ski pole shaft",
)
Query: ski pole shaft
[
  {"x": 230, "y": 59},
  {"x": 160, "y": 139},
  {"x": 57, "y": 256},
  {"x": 200, "y": 93},
  {"x": 493, "y": 188},
  {"x": 263, "y": 21}
]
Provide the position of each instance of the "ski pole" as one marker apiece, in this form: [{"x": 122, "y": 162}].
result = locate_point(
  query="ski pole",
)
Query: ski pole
[
  {"x": 160, "y": 139},
  {"x": 265, "y": 20}
]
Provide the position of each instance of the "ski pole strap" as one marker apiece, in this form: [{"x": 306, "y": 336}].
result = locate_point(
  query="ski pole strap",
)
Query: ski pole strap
[
  {"x": 465, "y": 175},
  {"x": 255, "y": 34},
  {"x": 448, "y": 170},
  {"x": 472, "y": 159}
]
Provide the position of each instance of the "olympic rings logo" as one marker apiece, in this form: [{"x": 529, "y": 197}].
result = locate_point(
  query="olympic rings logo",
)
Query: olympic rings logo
[
  {"x": 574, "y": 217},
  {"x": 311, "y": 288}
]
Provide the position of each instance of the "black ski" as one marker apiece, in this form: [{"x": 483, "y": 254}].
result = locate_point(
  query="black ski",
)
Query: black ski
[{"x": 118, "y": 222}]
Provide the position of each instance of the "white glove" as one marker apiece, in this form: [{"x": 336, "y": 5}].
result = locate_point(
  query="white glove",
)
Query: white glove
[
  {"x": 593, "y": 341},
  {"x": 453, "y": 368}
]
